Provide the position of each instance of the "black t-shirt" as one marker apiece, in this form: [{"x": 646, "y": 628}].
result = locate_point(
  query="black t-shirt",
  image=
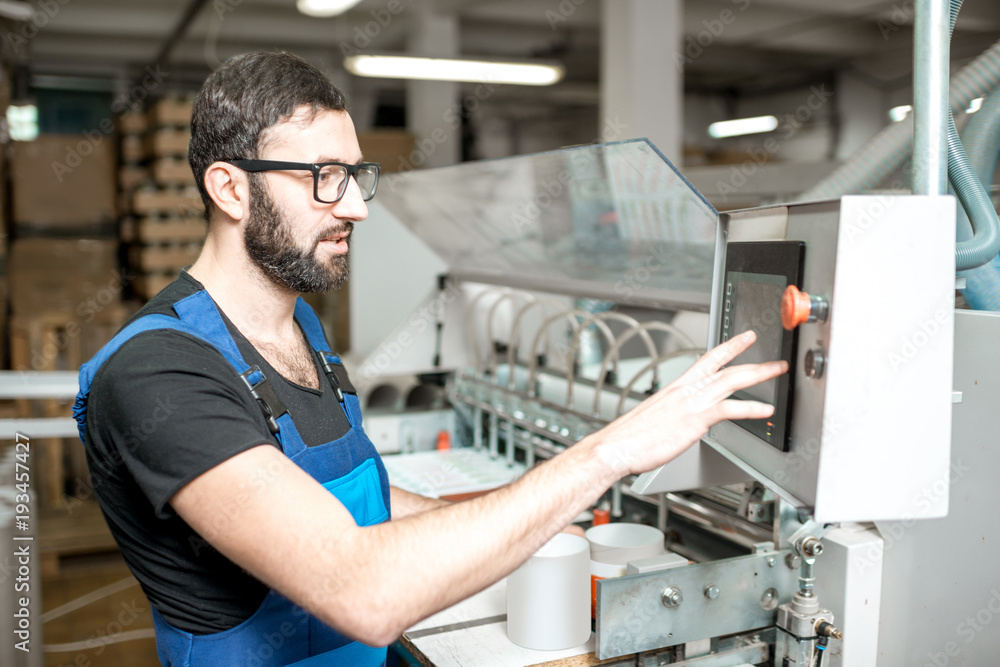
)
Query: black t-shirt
[{"x": 165, "y": 408}]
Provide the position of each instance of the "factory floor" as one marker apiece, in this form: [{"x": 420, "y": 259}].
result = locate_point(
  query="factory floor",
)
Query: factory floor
[{"x": 118, "y": 615}]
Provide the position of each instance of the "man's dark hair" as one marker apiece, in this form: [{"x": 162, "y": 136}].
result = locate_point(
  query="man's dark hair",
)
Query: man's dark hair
[{"x": 242, "y": 99}]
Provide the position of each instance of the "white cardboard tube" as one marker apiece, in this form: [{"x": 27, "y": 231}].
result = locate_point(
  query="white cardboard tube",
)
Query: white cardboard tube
[
  {"x": 548, "y": 598},
  {"x": 618, "y": 543}
]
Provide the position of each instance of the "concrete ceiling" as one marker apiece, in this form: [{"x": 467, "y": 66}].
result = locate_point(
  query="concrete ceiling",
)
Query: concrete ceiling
[{"x": 767, "y": 45}]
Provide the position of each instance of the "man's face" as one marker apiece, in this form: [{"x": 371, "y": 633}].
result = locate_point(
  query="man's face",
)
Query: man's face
[{"x": 298, "y": 242}]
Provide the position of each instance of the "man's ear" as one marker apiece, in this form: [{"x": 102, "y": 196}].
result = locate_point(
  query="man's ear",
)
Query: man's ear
[{"x": 228, "y": 187}]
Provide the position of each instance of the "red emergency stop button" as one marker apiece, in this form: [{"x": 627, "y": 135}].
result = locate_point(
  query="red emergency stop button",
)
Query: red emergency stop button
[{"x": 795, "y": 307}]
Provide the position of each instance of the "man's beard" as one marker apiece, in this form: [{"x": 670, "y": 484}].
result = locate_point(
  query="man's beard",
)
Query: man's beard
[{"x": 271, "y": 245}]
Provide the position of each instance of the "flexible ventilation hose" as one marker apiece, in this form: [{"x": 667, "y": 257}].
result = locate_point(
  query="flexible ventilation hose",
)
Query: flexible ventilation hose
[
  {"x": 982, "y": 136},
  {"x": 890, "y": 148},
  {"x": 887, "y": 150},
  {"x": 985, "y": 242}
]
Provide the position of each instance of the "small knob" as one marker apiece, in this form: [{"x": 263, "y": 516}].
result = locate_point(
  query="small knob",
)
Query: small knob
[
  {"x": 815, "y": 363},
  {"x": 797, "y": 307}
]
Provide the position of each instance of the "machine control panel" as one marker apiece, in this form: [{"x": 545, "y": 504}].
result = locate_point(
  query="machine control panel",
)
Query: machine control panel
[
  {"x": 758, "y": 277},
  {"x": 804, "y": 278}
]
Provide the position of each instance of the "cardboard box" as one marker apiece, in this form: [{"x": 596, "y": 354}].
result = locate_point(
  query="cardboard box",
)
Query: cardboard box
[
  {"x": 391, "y": 148},
  {"x": 63, "y": 182},
  {"x": 173, "y": 171},
  {"x": 163, "y": 258},
  {"x": 182, "y": 202},
  {"x": 166, "y": 230},
  {"x": 170, "y": 111},
  {"x": 71, "y": 275},
  {"x": 167, "y": 142},
  {"x": 131, "y": 122}
]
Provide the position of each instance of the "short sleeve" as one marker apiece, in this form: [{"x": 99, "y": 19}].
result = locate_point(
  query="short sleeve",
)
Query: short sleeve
[{"x": 168, "y": 407}]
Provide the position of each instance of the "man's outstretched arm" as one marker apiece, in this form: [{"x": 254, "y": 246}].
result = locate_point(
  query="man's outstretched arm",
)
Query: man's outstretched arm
[{"x": 372, "y": 583}]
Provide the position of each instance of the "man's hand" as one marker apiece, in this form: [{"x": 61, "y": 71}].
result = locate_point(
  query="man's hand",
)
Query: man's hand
[{"x": 677, "y": 416}]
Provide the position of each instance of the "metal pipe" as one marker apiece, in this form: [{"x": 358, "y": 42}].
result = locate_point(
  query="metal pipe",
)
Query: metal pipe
[
  {"x": 627, "y": 335},
  {"x": 932, "y": 28},
  {"x": 533, "y": 355}
]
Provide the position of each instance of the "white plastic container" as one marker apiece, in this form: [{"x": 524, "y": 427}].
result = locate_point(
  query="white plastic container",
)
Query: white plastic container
[
  {"x": 614, "y": 545},
  {"x": 547, "y": 597}
]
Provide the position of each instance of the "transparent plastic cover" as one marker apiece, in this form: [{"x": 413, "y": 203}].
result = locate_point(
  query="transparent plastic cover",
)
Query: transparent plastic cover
[{"x": 613, "y": 221}]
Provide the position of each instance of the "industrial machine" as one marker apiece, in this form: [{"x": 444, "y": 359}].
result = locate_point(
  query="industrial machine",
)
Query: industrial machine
[
  {"x": 855, "y": 526},
  {"x": 845, "y": 530}
]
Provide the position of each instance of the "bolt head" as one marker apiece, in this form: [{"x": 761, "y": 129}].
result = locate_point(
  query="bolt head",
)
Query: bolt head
[
  {"x": 672, "y": 597},
  {"x": 792, "y": 561},
  {"x": 712, "y": 592},
  {"x": 770, "y": 562}
]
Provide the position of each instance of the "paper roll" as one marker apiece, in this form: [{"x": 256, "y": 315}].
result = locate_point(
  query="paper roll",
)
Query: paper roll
[{"x": 548, "y": 606}]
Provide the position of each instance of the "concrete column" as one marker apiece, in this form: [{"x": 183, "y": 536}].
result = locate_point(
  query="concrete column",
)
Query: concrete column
[
  {"x": 430, "y": 105},
  {"x": 642, "y": 86}
]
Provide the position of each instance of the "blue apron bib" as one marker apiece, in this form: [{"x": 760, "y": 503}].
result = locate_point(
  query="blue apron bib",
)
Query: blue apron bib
[{"x": 279, "y": 633}]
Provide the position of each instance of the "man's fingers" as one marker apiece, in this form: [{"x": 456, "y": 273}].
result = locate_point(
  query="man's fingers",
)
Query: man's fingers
[
  {"x": 736, "y": 409},
  {"x": 718, "y": 357},
  {"x": 741, "y": 376}
]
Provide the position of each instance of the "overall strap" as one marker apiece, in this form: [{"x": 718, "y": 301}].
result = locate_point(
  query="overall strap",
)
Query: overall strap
[
  {"x": 200, "y": 310},
  {"x": 335, "y": 371},
  {"x": 141, "y": 325},
  {"x": 197, "y": 316}
]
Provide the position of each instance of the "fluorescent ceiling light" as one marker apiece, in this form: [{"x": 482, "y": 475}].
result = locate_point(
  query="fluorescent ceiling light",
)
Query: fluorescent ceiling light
[
  {"x": 22, "y": 122},
  {"x": 897, "y": 114},
  {"x": 740, "y": 126},
  {"x": 975, "y": 105},
  {"x": 19, "y": 11},
  {"x": 445, "y": 69},
  {"x": 324, "y": 7}
]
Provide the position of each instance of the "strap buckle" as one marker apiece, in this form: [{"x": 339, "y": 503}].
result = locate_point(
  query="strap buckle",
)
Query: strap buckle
[
  {"x": 266, "y": 398},
  {"x": 337, "y": 374}
]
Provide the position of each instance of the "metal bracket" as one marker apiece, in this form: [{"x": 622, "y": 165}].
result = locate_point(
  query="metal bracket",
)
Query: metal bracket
[{"x": 715, "y": 598}]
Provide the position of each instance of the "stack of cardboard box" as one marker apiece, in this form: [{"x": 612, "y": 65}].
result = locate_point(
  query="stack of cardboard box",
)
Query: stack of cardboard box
[
  {"x": 168, "y": 214},
  {"x": 64, "y": 276}
]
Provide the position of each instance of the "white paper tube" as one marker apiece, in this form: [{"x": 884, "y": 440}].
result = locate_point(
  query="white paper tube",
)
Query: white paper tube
[
  {"x": 548, "y": 598},
  {"x": 618, "y": 543}
]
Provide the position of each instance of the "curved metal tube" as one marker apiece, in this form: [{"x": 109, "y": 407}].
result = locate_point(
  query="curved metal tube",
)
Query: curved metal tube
[
  {"x": 470, "y": 325},
  {"x": 524, "y": 296},
  {"x": 574, "y": 342},
  {"x": 570, "y": 313},
  {"x": 515, "y": 331},
  {"x": 624, "y": 338},
  {"x": 655, "y": 362}
]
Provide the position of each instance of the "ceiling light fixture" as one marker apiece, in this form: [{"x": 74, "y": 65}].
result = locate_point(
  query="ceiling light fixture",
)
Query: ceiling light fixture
[
  {"x": 454, "y": 69},
  {"x": 741, "y": 126},
  {"x": 322, "y": 8},
  {"x": 897, "y": 114}
]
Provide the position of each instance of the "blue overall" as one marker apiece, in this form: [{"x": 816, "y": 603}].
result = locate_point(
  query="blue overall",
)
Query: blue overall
[{"x": 279, "y": 633}]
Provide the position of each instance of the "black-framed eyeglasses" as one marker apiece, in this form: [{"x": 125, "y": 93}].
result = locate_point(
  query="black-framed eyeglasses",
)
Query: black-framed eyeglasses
[{"x": 329, "y": 178}]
